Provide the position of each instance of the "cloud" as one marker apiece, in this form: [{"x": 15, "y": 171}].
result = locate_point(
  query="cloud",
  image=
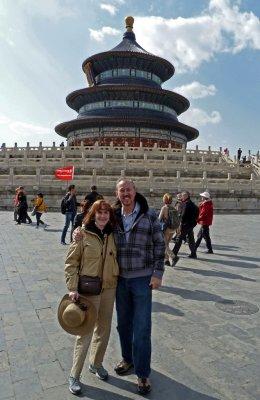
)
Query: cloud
[
  {"x": 196, "y": 90},
  {"x": 100, "y": 34},
  {"x": 17, "y": 131},
  {"x": 188, "y": 42},
  {"x": 51, "y": 9},
  {"x": 198, "y": 117},
  {"x": 109, "y": 8}
]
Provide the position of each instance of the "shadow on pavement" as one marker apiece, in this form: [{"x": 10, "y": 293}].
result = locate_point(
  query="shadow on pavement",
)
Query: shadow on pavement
[
  {"x": 220, "y": 274},
  {"x": 53, "y": 230},
  {"x": 163, "y": 388},
  {"x": 224, "y": 247},
  {"x": 229, "y": 263},
  {"x": 246, "y": 258},
  {"x": 199, "y": 295},
  {"x": 164, "y": 308}
]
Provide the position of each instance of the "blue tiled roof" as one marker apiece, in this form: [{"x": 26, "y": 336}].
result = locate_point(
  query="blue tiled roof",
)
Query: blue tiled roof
[{"x": 129, "y": 44}]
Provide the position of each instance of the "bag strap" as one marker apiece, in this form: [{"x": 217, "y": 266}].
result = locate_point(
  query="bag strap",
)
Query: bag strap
[{"x": 103, "y": 258}]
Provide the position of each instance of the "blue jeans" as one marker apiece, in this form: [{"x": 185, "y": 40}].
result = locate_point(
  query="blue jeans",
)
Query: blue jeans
[
  {"x": 69, "y": 218},
  {"x": 134, "y": 310}
]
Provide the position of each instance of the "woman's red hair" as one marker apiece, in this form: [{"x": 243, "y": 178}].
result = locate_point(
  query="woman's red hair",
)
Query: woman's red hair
[{"x": 98, "y": 206}]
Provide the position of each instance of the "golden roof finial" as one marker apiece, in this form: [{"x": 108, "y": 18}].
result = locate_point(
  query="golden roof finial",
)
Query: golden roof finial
[{"x": 129, "y": 22}]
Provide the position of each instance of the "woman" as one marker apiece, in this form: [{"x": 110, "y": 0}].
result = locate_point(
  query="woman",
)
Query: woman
[
  {"x": 205, "y": 219},
  {"x": 95, "y": 253},
  {"x": 39, "y": 208},
  {"x": 170, "y": 222},
  {"x": 22, "y": 207},
  {"x": 85, "y": 205}
]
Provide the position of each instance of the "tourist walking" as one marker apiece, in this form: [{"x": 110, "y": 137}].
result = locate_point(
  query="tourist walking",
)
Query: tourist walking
[
  {"x": 69, "y": 208},
  {"x": 95, "y": 253},
  {"x": 39, "y": 207},
  {"x": 140, "y": 255},
  {"x": 22, "y": 207},
  {"x": 93, "y": 195},
  {"x": 16, "y": 203},
  {"x": 205, "y": 219},
  {"x": 188, "y": 221},
  {"x": 170, "y": 221}
]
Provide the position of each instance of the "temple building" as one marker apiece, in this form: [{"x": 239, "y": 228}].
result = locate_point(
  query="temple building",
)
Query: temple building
[{"x": 125, "y": 101}]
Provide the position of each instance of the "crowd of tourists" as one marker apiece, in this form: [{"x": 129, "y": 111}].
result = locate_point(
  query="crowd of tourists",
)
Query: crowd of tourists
[{"x": 118, "y": 254}]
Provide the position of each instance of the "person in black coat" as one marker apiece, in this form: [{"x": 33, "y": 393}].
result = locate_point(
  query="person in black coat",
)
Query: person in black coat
[
  {"x": 22, "y": 207},
  {"x": 85, "y": 206},
  {"x": 93, "y": 195},
  {"x": 189, "y": 215}
]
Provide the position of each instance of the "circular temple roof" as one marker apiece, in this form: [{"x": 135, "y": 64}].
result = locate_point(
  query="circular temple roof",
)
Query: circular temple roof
[{"x": 129, "y": 54}]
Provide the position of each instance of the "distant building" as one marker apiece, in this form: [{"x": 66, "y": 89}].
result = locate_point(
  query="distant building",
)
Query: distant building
[{"x": 125, "y": 102}]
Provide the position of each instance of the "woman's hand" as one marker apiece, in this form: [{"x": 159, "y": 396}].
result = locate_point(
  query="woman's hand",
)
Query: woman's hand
[
  {"x": 77, "y": 235},
  {"x": 74, "y": 296}
]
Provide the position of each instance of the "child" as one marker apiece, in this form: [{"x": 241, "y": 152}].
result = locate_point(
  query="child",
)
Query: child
[{"x": 39, "y": 208}]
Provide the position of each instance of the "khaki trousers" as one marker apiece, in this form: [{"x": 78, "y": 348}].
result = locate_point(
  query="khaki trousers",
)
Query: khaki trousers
[
  {"x": 168, "y": 234},
  {"x": 99, "y": 337}
]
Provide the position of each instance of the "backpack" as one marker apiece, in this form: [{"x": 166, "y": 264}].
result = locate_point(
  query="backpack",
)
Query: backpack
[
  {"x": 63, "y": 206},
  {"x": 173, "y": 220}
]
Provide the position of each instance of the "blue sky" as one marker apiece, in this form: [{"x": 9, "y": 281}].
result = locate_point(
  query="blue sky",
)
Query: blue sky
[{"x": 213, "y": 44}]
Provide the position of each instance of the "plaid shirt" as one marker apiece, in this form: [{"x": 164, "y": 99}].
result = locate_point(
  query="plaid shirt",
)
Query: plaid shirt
[{"x": 143, "y": 253}]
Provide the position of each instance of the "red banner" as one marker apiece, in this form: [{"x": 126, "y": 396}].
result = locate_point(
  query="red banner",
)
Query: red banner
[{"x": 65, "y": 174}]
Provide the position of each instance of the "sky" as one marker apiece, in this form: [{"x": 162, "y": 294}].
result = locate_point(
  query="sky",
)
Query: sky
[{"x": 213, "y": 44}]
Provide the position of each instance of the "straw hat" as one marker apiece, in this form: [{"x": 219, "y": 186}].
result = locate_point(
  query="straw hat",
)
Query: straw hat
[
  {"x": 77, "y": 318},
  {"x": 205, "y": 194}
]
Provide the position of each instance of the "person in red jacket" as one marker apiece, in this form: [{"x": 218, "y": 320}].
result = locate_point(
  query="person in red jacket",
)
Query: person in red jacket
[{"x": 205, "y": 220}]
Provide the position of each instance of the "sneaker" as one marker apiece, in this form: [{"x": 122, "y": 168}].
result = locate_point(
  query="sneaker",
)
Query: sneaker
[
  {"x": 123, "y": 367},
  {"x": 175, "y": 260},
  {"x": 64, "y": 243},
  {"x": 167, "y": 263},
  {"x": 210, "y": 252},
  {"x": 74, "y": 385},
  {"x": 100, "y": 372},
  {"x": 143, "y": 386}
]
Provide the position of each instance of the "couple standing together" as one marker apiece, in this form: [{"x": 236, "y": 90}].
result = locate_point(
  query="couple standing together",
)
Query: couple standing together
[{"x": 129, "y": 243}]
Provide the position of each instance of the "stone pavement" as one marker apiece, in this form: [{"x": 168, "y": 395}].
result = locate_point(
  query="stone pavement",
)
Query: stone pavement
[{"x": 204, "y": 347}]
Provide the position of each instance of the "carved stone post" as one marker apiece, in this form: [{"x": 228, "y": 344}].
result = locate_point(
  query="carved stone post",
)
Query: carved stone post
[
  {"x": 11, "y": 177},
  {"x": 94, "y": 177}
]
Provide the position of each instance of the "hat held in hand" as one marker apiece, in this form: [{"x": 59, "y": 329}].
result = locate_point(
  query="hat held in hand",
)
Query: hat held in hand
[{"x": 77, "y": 318}]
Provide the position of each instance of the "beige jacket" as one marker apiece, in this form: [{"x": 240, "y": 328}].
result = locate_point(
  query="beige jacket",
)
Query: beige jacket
[{"x": 86, "y": 257}]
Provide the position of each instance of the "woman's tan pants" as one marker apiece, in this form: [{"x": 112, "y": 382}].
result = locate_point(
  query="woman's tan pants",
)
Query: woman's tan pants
[
  {"x": 99, "y": 337},
  {"x": 168, "y": 234}
]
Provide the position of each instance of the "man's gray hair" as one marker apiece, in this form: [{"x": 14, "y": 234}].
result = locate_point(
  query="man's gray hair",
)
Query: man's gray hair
[
  {"x": 185, "y": 192},
  {"x": 127, "y": 180}
]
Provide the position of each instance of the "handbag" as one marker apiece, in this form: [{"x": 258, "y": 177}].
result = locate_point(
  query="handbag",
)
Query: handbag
[
  {"x": 92, "y": 285},
  {"x": 33, "y": 211}
]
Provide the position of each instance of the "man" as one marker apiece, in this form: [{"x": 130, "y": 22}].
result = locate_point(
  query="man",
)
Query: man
[
  {"x": 140, "y": 254},
  {"x": 188, "y": 220},
  {"x": 70, "y": 203},
  {"x": 205, "y": 219},
  {"x": 93, "y": 195}
]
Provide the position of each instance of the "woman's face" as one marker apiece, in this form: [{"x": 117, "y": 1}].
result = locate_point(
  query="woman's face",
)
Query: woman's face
[{"x": 102, "y": 217}]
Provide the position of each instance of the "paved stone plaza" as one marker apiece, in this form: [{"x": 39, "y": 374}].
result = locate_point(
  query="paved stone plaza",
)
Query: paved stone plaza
[{"x": 204, "y": 348}]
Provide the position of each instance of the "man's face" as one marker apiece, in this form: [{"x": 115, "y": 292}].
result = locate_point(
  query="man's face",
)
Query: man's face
[
  {"x": 73, "y": 191},
  {"x": 184, "y": 196},
  {"x": 126, "y": 192}
]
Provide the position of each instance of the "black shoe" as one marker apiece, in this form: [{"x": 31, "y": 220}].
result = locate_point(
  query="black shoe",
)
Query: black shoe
[
  {"x": 167, "y": 263},
  {"x": 175, "y": 260},
  {"x": 123, "y": 367},
  {"x": 192, "y": 255},
  {"x": 64, "y": 243},
  {"x": 143, "y": 387},
  {"x": 210, "y": 252}
]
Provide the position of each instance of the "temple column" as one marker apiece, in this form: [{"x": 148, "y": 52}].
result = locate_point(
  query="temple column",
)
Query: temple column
[
  {"x": 11, "y": 177},
  {"x": 94, "y": 177},
  {"x": 38, "y": 177}
]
